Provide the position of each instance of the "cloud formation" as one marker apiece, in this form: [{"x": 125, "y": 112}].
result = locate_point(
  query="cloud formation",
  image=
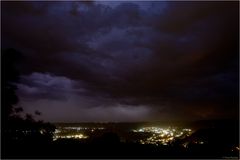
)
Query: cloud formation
[{"x": 172, "y": 58}]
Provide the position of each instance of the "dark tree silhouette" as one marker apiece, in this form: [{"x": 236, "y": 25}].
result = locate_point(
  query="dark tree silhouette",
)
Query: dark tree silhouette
[
  {"x": 10, "y": 76},
  {"x": 38, "y": 113},
  {"x": 15, "y": 129}
]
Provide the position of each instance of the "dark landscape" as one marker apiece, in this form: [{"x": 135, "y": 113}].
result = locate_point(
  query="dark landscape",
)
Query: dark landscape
[
  {"x": 119, "y": 79},
  {"x": 218, "y": 139}
]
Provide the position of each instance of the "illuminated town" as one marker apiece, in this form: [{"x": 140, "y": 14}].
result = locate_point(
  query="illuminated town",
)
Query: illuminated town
[
  {"x": 75, "y": 136},
  {"x": 163, "y": 136},
  {"x": 74, "y": 132},
  {"x": 155, "y": 135}
]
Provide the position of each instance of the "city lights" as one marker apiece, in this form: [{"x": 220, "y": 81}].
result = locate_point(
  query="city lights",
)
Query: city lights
[
  {"x": 83, "y": 128},
  {"x": 76, "y": 136},
  {"x": 155, "y": 135},
  {"x": 73, "y": 132},
  {"x": 162, "y": 136}
]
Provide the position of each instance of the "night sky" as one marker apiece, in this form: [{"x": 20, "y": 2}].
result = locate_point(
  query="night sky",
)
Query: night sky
[{"x": 125, "y": 61}]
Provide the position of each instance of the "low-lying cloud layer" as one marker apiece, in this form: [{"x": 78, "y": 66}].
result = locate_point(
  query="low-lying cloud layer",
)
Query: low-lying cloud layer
[{"x": 125, "y": 61}]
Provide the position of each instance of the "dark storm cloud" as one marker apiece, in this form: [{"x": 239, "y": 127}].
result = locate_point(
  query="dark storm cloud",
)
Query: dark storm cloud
[
  {"x": 167, "y": 56},
  {"x": 46, "y": 86}
]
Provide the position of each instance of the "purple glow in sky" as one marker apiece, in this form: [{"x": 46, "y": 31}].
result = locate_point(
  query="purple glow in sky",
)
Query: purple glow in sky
[{"x": 125, "y": 61}]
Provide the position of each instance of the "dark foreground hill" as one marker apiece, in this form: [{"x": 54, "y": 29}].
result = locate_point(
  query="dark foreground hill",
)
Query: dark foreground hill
[{"x": 214, "y": 141}]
